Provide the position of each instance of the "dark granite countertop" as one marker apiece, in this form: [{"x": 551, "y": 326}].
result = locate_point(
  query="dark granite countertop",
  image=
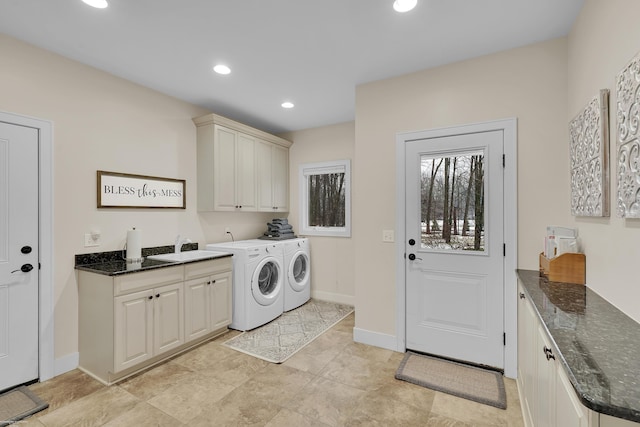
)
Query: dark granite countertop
[
  {"x": 599, "y": 345},
  {"x": 113, "y": 264}
]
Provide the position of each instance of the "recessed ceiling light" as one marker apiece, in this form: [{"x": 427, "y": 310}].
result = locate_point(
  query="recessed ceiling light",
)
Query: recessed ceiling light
[
  {"x": 404, "y": 5},
  {"x": 287, "y": 104},
  {"x": 222, "y": 69},
  {"x": 99, "y": 4}
]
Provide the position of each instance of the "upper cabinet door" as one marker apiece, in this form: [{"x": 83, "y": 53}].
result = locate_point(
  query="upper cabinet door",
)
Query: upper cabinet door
[
  {"x": 246, "y": 173},
  {"x": 280, "y": 178},
  {"x": 224, "y": 169},
  {"x": 263, "y": 167},
  {"x": 273, "y": 177}
]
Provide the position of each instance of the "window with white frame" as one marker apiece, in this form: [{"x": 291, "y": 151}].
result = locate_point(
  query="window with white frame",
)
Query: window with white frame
[{"x": 325, "y": 198}]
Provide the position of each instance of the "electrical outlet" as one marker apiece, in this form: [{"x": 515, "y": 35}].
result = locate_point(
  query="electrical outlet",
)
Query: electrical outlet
[
  {"x": 387, "y": 236},
  {"x": 90, "y": 241}
]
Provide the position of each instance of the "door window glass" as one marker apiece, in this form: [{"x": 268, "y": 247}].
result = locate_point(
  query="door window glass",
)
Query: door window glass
[
  {"x": 268, "y": 278},
  {"x": 452, "y": 202},
  {"x": 300, "y": 268}
]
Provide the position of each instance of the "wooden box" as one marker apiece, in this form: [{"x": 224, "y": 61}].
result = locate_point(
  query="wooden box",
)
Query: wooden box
[{"x": 568, "y": 268}]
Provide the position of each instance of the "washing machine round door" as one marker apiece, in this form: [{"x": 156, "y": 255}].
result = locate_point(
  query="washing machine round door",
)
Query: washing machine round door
[
  {"x": 266, "y": 284},
  {"x": 299, "y": 271}
]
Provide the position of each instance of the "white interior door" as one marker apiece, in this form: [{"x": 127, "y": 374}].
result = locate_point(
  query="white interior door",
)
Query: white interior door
[
  {"x": 18, "y": 255},
  {"x": 454, "y": 247}
]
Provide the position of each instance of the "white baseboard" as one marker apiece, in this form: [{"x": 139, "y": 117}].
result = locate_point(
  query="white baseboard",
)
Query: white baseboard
[
  {"x": 333, "y": 297},
  {"x": 375, "y": 339},
  {"x": 66, "y": 363}
]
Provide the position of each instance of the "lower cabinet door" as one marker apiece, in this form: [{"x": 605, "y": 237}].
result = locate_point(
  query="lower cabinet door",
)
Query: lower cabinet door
[
  {"x": 546, "y": 370},
  {"x": 133, "y": 334},
  {"x": 569, "y": 411},
  {"x": 221, "y": 290},
  {"x": 196, "y": 303},
  {"x": 168, "y": 317},
  {"x": 527, "y": 354}
]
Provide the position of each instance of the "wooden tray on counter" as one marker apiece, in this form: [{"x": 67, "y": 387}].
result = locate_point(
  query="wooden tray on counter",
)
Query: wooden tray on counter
[{"x": 568, "y": 268}]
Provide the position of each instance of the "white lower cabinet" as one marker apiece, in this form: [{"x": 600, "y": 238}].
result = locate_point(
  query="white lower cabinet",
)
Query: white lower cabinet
[
  {"x": 546, "y": 395},
  {"x": 208, "y": 304},
  {"x": 131, "y": 321},
  {"x": 147, "y": 323}
]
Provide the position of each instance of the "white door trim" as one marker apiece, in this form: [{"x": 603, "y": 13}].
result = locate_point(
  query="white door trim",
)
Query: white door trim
[
  {"x": 45, "y": 291},
  {"x": 510, "y": 129}
]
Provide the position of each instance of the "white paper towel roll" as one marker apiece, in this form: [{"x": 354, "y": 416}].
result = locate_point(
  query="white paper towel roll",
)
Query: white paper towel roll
[{"x": 134, "y": 245}]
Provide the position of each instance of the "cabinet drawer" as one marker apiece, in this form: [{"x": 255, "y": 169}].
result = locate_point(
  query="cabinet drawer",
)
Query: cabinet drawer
[
  {"x": 148, "y": 279},
  {"x": 206, "y": 268}
]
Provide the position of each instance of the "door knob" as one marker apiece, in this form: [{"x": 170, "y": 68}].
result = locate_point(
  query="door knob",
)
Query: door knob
[
  {"x": 413, "y": 257},
  {"x": 412, "y": 242},
  {"x": 25, "y": 268},
  {"x": 25, "y": 250}
]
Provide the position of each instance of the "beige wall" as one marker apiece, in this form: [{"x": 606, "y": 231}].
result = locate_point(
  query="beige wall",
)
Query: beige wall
[
  {"x": 603, "y": 40},
  {"x": 332, "y": 269},
  {"x": 528, "y": 83},
  {"x": 101, "y": 122}
]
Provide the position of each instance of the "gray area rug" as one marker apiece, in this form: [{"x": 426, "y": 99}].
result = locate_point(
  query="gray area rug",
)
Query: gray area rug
[
  {"x": 281, "y": 338},
  {"x": 19, "y": 403},
  {"x": 469, "y": 382}
]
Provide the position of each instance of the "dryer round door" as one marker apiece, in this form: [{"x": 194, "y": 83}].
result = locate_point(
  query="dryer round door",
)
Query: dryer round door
[
  {"x": 299, "y": 271},
  {"x": 266, "y": 284}
]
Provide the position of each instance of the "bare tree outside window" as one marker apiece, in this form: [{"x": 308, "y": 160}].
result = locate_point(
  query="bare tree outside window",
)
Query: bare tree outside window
[
  {"x": 452, "y": 202},
  {"x": 325, "y": 198}
]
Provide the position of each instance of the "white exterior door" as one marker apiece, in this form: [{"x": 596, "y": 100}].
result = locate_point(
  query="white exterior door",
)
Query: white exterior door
[
  {"x": 18, "y": 255},
  {"x": 454, "y": 247}
]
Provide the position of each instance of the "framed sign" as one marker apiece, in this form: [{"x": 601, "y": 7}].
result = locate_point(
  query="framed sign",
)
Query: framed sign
[{"x": 122, "y": 190}]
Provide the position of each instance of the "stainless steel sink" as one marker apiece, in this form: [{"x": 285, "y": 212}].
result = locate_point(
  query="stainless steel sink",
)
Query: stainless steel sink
[{"x": 188, "y": 256}]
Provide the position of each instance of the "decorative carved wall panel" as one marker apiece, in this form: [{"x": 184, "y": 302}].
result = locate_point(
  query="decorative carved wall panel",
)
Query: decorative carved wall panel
[
  {"x": 628, "y": 147},
  {"x": 589, "y": 157}
]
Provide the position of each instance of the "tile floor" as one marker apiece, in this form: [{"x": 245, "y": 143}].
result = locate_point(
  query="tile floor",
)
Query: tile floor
[{"x": 331, "y": 382}]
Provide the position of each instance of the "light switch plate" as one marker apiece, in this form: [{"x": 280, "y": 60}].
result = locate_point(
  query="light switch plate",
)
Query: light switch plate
[{"x": 387, "y": 236}]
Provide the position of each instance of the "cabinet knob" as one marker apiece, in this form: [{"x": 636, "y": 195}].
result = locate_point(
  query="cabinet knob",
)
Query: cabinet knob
[
  {"x": 209, "y": 282},
  {"x": 150, "y": 296},
  {"x": 548, "y": 353},
  {"x": 213, "y": 281},
  {"x": 521, "y": 295},
  {"x": 157, "y": 295}
]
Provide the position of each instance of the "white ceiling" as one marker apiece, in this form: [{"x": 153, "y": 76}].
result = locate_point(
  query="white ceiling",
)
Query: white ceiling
[{"x": 311, "y": 52}]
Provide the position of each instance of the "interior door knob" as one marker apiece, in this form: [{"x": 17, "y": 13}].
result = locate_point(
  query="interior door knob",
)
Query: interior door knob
[
  {"x": 25, "y": 268},
  {"x": 25, "y": 250},
  {"x": 413, "y": 257}
]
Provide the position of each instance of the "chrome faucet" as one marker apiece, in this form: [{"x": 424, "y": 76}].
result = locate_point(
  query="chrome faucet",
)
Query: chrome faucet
[{"x": 179, "y": 242}]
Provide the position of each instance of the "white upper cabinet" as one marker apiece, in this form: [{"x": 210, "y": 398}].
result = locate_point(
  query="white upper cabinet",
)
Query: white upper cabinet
[
  {"x": 273, "y": 177},
  {"x": 240, "y": 168}
]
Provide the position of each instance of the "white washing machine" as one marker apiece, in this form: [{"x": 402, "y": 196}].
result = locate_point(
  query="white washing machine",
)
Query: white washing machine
[
  {"x": 297, "y": 264},
  {"x": 258, "y": 282},
  {"x": 297, "y": 270}
]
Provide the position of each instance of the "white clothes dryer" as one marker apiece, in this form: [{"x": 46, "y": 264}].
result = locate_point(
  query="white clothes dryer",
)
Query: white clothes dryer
[
  {"x": 258, "y": 282},
  {"x": 297, "y": 264}
]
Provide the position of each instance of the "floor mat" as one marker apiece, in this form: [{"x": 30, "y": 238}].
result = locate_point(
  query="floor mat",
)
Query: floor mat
[
  {"x": 469, "y": 382},
  {"x": 19, "y": 403},
  {"x": 281, "y": 338}
]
